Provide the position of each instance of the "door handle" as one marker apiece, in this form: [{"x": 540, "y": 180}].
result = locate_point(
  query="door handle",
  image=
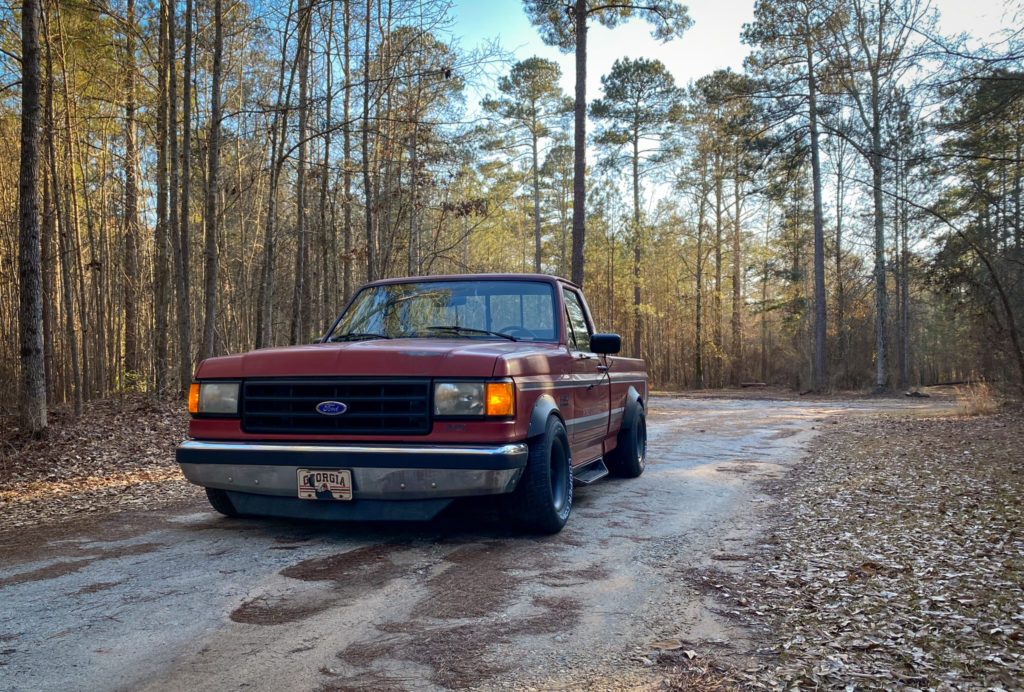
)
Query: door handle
[{"x": 602, "y": 368}]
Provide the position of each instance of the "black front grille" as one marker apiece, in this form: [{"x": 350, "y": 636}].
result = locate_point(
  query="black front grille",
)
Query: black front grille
[{"x": 375, "y": 407}]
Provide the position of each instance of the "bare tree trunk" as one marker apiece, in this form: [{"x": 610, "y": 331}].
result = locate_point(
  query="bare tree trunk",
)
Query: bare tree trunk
[
  {"x": 299, "y": 309},
  {"x": 536, "y": 199},
  {"x": 698, "y": 345},
  {"x": 63, "y": 235},
  {"x": 717, "y": 327},
  {"x": 173, "y": 229},
  {"x": 131, "y": 206},
  {"x": 329, "y": 238},
  {"x": 414, "y": 231},
  {"x": 881, "y": 295},
  {"x": 840, "y": 284},
  {"x": 371, "y": 244},
  {"x": 264, "y": 310},
  {"x": 212, "y": 185},
  {"x": 736, "y": 375},
  {"x": 30, "y": 314},
  {"x": 160, "y": 279},
  {"x": 579, "y": 183},
  {"x": 72, "y": 220},
  {"x": 47, "y": 254},
  {"x": 347, "y": 152},
  {"x": 904, "y": 288},
  {"x": 820, "y": 315},
  {"x": 183, "y": 260},
  {"x": 637, "y": 236}
]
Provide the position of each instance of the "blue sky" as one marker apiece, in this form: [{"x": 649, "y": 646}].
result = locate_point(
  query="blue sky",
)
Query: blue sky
[{"x": 713, "y": 42}]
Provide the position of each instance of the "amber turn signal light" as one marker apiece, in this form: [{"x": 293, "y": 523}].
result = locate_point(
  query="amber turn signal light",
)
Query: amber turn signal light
[
  {"x": 501, "y": 399},
  {"x": 193, "y": 398}
]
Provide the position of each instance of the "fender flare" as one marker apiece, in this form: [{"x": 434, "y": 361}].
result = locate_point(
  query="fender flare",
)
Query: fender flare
[
  {"x": 543, "y": 408},
  {"x": 633, "y": 401}
]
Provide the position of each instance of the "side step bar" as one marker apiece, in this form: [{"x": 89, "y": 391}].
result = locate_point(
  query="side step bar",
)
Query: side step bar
[{"x": 590, "y": 472}]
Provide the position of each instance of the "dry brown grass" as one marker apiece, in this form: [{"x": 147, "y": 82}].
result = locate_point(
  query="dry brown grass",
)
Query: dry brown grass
[{"x": 976, "y": 399}]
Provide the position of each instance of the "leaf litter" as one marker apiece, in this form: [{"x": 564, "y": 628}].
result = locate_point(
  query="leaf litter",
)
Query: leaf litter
[
  {"x": 894, "y": 560},
  {"x": 119, "y": 455}
]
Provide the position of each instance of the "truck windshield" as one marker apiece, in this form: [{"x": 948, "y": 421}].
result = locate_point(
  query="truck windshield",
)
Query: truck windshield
[{"x": 498, "y": 309}]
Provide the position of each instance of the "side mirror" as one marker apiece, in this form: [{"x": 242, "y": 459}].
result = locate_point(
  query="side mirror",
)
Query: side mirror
[{"x": 605, "y": 343}]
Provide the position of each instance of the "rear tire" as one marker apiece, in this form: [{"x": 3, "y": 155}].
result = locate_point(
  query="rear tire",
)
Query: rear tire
[
  {"x": 542, "y": 501},
  {"x": 220, "y": 501},
  {"x": 629, "y": 458}
]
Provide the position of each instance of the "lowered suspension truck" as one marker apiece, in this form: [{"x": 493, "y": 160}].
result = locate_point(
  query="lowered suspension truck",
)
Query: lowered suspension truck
[{"x": 424, "y": 391}]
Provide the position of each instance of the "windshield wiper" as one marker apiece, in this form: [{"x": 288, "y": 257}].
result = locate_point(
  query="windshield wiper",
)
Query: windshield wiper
[
  {"x": 355, "y": 336},
  {"x": 469, "y": 330}
]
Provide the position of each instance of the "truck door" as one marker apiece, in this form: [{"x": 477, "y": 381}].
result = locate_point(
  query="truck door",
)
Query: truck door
[{"x": 591, "y": 392}]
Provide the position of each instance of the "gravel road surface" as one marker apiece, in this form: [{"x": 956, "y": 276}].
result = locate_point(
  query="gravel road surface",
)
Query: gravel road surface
[{"x": 184, "y": 599}]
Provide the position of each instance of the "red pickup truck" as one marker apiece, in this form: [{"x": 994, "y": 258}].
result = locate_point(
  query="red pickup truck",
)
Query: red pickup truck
[{"x": 425, "y": 390}]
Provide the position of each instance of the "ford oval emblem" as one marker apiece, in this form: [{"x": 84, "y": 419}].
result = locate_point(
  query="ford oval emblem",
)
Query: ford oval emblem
[{"x": 331, "y": 408}]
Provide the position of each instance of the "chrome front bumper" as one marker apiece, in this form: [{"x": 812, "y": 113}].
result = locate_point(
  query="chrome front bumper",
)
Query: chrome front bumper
[{"x": 379, "y": 472}]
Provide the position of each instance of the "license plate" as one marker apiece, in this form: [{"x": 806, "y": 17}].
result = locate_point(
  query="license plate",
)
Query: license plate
[{"x": 325, "y": 484}]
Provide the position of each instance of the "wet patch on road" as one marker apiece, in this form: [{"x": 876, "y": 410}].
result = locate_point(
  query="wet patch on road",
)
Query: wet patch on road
[
  {"x": 354, "y": 573},
  {"x": 60, "y": 569},
  {"x": 457, "y": 655}
]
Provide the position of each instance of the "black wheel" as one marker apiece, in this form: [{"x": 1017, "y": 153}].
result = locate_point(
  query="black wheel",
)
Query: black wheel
[
  {"x": 629, "y": 457},
  {"x": 220, "y": 501},
  {"x": 543, "y": 499}
]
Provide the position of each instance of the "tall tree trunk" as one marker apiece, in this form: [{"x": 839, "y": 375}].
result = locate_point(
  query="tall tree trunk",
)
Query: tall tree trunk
[
  {"x": 299, "y": 308},
  {"x": 579, "y": 168},
  {"x": 904, "y": 288},
  {"x": 637, "y": 239},
  {"x": 820, "y": 315},
  {"x": 328, "y": 285},
  {"x": 173, "y": 228},
  {"x": 72, "y": 216},
  {"x": 212, "y": 185},
  {"x": 347, "y": 153},
  {"x": 64, "y": 234},
  {"x": 717, "y": 326},
  {"x": 265, "y": 301},
  {"x": 371, "y": 244},
  {"x": 414, "y": 231},
  {"x": 840, "y": 284},
  {"x": 736, "y": 374},
  {"x": 184, "y": 218},
  {"x": 698, "y": 346},
  {"x": 160, "y": 279},
  {"x": 47, "y": 255},
  {"x": 881, "y": 296},
  {"x": 536, "y": 199},
  {"x": 131, "y": 206},
  {"x": 30, "y": 277}
]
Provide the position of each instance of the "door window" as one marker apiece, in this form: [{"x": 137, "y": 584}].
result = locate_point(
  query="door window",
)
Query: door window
[{"x": 579, "y": 333}]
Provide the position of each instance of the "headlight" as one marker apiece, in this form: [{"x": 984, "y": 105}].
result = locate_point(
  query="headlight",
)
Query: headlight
[
  {"x": 459, "y": 399},
  {"x": 213, "y": 397},
  {"x": 472, "y": 399}
]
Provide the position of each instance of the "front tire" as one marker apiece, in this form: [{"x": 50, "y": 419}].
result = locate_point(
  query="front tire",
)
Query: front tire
[
  {"x": 220, "y": 501},
  {"x": 542, "y": 501},
  {"x": 629, "y": 458}
]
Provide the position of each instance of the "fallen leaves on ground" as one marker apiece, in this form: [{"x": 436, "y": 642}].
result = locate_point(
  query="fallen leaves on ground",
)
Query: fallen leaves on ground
[
  {"x": 896, "y": 560},
  {"x": 118, "y": 455}
]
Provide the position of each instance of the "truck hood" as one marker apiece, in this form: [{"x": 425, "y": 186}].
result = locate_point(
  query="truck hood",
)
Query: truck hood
[{"x": 392, "y": 357}]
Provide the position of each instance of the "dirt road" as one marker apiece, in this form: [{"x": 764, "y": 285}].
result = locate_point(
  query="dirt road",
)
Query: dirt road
[{"x": 185, "y": 599}]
